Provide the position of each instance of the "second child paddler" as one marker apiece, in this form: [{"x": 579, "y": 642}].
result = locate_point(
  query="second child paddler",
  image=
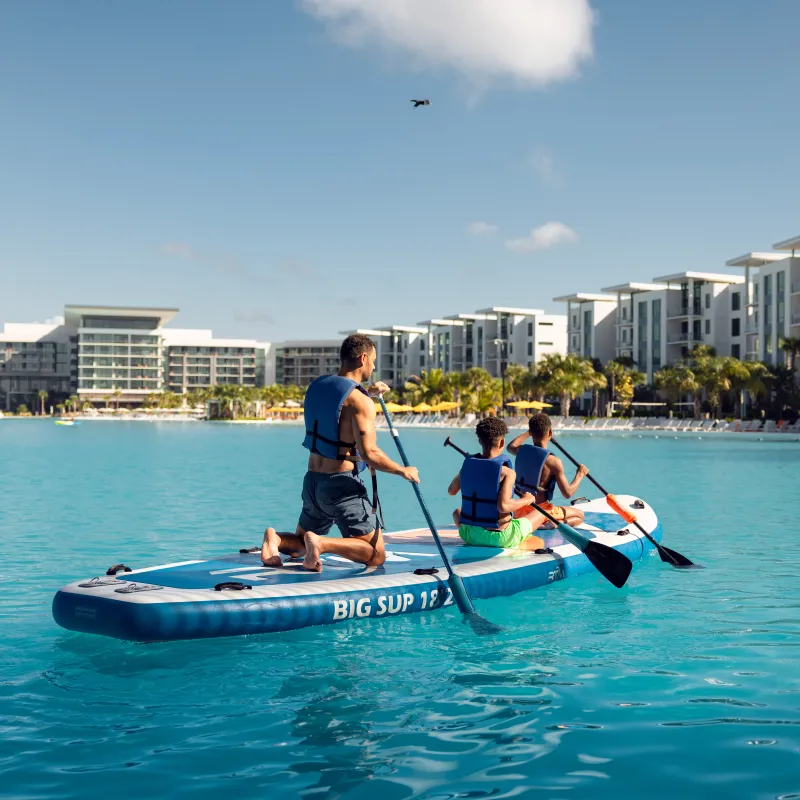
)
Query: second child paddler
[
  {"x": 340, "y": 433},
  {"x": 486, "y": 483},
  {"x": 538, "y": 471}
]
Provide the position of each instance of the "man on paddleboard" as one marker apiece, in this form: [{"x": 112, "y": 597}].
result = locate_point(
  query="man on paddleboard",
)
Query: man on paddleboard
[
  {"x": 539, "y": 471},
  {"x": 340, "y": 433}
]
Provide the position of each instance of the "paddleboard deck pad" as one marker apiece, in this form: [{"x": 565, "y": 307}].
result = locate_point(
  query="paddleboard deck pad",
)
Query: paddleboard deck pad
[{"x": 189, "y": 600}]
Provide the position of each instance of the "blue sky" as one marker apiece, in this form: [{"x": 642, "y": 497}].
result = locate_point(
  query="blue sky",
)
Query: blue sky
[{"x": 259, "y": 166}]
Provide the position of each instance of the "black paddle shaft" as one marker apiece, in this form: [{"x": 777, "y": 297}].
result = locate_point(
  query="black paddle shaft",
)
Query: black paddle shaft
[{"x": 670, "y": 556}]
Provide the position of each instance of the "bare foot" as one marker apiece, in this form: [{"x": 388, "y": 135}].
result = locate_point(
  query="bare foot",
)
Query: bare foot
[
  {"x": 270, "y": 556},
  {"x": 312, "y": 561}
]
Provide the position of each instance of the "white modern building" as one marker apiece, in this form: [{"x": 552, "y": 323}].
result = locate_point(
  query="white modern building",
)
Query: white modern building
[
  {"x": 298, "y": 362},
  {"x": 591, "y": 319},
  {"x": 701, "y": 312},
  {"x": 33, "y": 358},
  {"x": 776, "y": 300},
  {"x": 99, "y": 352},
  {"x": 194, "y": 359},
  {"x": 520, "y": 336},
  {"x": 626, "y": 294},
  {"x": 751, "y": 261}
]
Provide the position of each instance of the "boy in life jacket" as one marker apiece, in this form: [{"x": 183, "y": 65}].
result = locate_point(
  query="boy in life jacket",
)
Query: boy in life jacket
[
  {"x": 539, "y": 471},
  {"x": 486, "y": 483}
]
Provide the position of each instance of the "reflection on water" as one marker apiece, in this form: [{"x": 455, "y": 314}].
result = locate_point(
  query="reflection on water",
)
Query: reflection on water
[{"x": 683, "y": 684}]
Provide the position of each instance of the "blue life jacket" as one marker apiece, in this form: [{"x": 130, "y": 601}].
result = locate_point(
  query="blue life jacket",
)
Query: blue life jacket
[
  {"x": 480, "y": 488},
  {"x": 322, "y": 410},
  {"x": 528, "y": 466}
]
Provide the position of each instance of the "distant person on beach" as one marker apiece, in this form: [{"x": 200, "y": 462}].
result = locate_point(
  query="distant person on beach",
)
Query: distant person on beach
[
  {"x": 340, "y": 433},
  {"x": 539, "y": 471},
  {"x": 486, "y": 483}
]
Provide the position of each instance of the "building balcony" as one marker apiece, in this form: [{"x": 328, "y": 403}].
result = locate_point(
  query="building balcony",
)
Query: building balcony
[
  {"x": 795, "y": 288},
  {"x": 687, "y": 337},
  {"x": 795, "y": 319}
]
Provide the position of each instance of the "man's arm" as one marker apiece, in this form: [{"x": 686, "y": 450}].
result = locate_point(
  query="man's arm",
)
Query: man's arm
[
  {"x": 557, "y": 468},
  {"x": 455, "y": 485},
  {"x": 506, "y": 503},
  {"x": 363, "y": 416},
  {"x": 517, "y": 443}
]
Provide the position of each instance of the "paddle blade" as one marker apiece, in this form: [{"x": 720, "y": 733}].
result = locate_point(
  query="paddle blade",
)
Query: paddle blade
[
  {"x": 480, "y": 625},
  {"x": 674, "y": 558},
  {"x": 610, "y": 563}
]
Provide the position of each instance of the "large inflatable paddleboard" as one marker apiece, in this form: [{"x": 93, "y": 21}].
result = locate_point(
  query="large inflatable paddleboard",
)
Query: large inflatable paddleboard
[{"x": 235, "y": 594}]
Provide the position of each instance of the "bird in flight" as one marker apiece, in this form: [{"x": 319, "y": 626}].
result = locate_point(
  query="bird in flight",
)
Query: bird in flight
[{"x": 418, "y": 103}]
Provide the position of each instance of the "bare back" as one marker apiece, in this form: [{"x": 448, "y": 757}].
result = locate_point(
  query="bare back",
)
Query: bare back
[{"x": 356, "y": 423}]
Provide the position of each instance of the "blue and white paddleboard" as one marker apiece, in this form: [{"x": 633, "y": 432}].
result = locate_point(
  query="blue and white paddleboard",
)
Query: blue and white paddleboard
[{"x": 180, "y": 601}]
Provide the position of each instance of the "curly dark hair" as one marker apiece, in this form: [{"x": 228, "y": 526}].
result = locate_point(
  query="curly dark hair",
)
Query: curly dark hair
[
  {"x": 539, "y": 425},
  {"x": 490, "y": 431},
  {"x": 353, "y": 347}
]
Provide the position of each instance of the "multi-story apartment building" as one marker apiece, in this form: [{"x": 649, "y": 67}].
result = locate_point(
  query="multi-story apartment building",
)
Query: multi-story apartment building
[
  {"x": 623, "y": 324},
  {"x": 194, "y": 359},
  {"x": 519, "y": 336},
  {"x": 591, "y": 319},
  {"x": 120, "y": 351},
  {"x": 298, "y": 362},
  {"x": 749, "y": 262},
  {"x": 700, "y": 312},
  {"x": 124, "y": 352},
  {"x": 776, "y": 303},
  {"x": 33, "y": 358}
]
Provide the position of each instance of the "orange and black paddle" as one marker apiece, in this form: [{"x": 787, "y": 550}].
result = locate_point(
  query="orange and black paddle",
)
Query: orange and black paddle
[{"x": 670, "y": 556}]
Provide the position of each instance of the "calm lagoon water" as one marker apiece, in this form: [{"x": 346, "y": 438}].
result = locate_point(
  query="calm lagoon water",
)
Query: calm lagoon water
[{"x": 683, "y": 684}]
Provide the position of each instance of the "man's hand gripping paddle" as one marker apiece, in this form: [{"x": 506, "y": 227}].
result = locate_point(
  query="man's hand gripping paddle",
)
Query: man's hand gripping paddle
[
  {"x": 610, "y": 563},
  {"x": 479, "y": 624}
]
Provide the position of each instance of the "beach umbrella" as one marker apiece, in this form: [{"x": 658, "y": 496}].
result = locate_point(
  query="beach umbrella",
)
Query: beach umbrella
[
  {"x": 445, "y": 405},
  {"x": 527, "y": 404},
  {"x": 394, "y": 408},
  {"x": 420, "y": 408}
]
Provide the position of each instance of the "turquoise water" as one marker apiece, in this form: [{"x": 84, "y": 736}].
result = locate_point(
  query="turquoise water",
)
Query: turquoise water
[{"x": 682, "y": 684}]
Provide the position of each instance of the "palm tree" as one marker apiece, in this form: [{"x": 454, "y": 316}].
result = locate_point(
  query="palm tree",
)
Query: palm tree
[
  {"x": 567, "y": 376},
  {"x": 751, "y": 378},
  {"x": 432, "y": 385},
  {"x": 43, "y": 395},
  {"x": 676, "y": 380},
  {"x": 72, "y": 402},
  {"x": 116, "y": 393},
  {"x": 791, "y": 346}
]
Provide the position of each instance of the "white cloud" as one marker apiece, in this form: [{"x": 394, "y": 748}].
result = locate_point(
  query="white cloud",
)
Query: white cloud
[
  {"x": 543, "y": 165},
  {"x": 530, "y": 42},
  {"x": 545, "y": 236},
  {"x": 481, "y": 228}
]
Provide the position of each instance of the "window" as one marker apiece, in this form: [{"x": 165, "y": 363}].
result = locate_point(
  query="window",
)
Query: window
[
  {"x": 708, "y": 326},
  {"x": 736, "y": 301},
  {"x": 422, "y": 361},
  {"x": 708, "y": 300},
  {"x": 656, "y": 330},
  {"x": 546, "y": 344},
  {"x": 736, "y": 351},
  {"x": 530, "y": 348},
  {"x": 587, "y": 334},
  {"x": 736, "y": 326},
  {"x": 421, "y": 343},
  {"x": 541, "y": 324},
  {"x": 642, "y": 355},
  {"x": 530, "y": 329}
]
